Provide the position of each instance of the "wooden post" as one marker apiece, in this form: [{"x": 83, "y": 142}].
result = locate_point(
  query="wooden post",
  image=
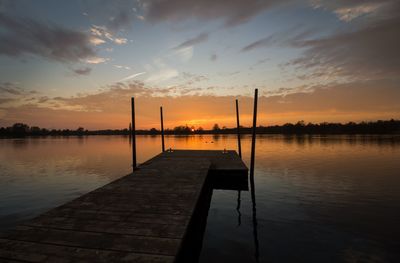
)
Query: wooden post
[
  {"x": 162, "y": 130},
  {"x": 253, "y": 139},
  {"x": 130, "y": 134},
  {"x": 133, "y": 134},
  {"x": 252, "y": 185},
  {"x": 238, "y": 129}
]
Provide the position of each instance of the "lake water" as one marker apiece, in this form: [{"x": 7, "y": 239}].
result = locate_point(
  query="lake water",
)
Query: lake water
[{"x": 317, "y": 198}]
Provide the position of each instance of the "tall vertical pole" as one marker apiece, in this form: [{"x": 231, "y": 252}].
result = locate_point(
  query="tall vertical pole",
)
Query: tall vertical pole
[
  {"x": 130, "y": 134},
  {"x": 253, "y": 139},
  {"x": 252, "y": 185},
  {"x": 240, "y": 155},
  {"x": 238, "y": 129},
  {"x": 162, "y": 130},
  {"x": 133, "y": 132}
]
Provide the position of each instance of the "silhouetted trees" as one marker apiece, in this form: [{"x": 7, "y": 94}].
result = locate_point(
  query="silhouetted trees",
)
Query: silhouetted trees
[
  {"x": 181, "y": 130},
  {"x": 377, "y": 127},
  {"x": 216, "y": 127}
]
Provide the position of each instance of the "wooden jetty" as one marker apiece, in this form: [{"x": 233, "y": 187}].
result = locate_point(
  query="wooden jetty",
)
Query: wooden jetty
[{"x": 155, "y": 214}]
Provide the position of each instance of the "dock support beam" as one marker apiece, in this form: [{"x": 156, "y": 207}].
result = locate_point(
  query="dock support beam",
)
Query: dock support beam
[
  {"x": 162, "y": 130},
  {"x": 238, "y": 129},
  {"x": 133, "y": 134}
]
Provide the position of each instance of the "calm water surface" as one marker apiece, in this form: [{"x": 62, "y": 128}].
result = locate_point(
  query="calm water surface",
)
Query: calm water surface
[{"x": 318, "y": 199}]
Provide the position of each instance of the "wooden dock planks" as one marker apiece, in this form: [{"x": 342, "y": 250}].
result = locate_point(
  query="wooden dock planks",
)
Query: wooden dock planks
[{"x": 142, "y": 217}]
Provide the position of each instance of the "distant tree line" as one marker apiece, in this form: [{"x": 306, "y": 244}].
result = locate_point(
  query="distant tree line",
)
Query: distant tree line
[{"x": 376, "y": 127}]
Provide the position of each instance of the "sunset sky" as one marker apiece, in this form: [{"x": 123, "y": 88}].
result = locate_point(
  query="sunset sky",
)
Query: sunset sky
[{"x": 65, "y": 64}]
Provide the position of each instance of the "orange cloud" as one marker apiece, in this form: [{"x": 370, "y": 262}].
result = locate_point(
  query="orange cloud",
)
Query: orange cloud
[{"x": 111, "y": 108}]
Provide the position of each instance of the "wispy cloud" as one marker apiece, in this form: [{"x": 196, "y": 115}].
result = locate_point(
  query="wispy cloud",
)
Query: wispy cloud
[
  {"x": 131, "y": 76},
  {"x": 350, "y": 10},
  {"x": 263, "y": 42},
  {"x": 101, "y": 32},
  {"x": 349, "y": 13},
  {"x": 83, "y": 71},
  {"x": 368, "y": 52},
  {"x": 95, "y": 60},
  {"x": 162, "y": 75},
  {"x": 97, "y": 41},
  {"x": 9, "y": 88},
  {"x": 185, "y": 54},
  {"x": 122, "y": 67},
  {"x": 233, "y": 13},
  {"x": 292, "y": 37},
  {"x": 193, "y": 41}
]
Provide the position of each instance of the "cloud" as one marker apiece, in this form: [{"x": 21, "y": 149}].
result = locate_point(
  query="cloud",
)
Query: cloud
[
  {"x": 97, "y": 41},
  {"x": 6, "y": 100},
  {"x": 26, "y": 36},
  {"x": 259, "y": 62},
  {"x": 233, "y": 13},
  {"x": 349, "y": 13},
  {"x": 122, "y": 19},
  {"x": 193, "y": 77},
  {"x": 102, "y": 32},
  {"x": 83, "y": 71},
  {"x": 131, "y": 76},
  {"x": 263, "y": 42},
  {"x": 96, "y": 60},
  {"x": 162, "y": 75},
  {"x": 193, "y": 41},
  {"x": 334, "y": 103},
  {"x": 185, "y": 54},
  {"x": 371, "y": 51},
  {"x": 122, "y": 67},
  {"x": 213, "y": 57},
  {"x": 116, "y": 15},
  {"x": 350, "y": 10},
  {"x": 42, "y": 99},
  {"x": 120, "y": 40},
  {"x": 366, "y": 50},
  {"x": 12, "y": 95},
  {"x": 8, "y": 88},
  {"x": 292, "y": 37}
]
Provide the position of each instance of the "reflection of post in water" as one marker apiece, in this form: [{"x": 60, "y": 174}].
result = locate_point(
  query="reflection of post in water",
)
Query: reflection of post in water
[
  {"x": 238, "y": 209},
  {"x": 252, "y": 186},
  {"x": 254, "y": 210},
  {"x": 216, "y": 137}
]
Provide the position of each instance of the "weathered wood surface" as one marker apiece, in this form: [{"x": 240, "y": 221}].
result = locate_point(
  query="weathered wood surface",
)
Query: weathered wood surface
[{"x": 142, "y": 217}]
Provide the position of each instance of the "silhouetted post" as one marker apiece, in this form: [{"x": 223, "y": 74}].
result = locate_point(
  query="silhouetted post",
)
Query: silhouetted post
[
  {"x": 130, "y": 134},
  {"x": 133, "y": 133},
  {"x": 252, "y": 185},
  {"x": 253, "y": 139},
  {"x": 162, "y": 129},
  {"x": 238, "y": 129}
]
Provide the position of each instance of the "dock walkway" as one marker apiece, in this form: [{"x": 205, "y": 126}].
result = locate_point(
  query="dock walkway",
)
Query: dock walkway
[{"x": 146, "y": 216}]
